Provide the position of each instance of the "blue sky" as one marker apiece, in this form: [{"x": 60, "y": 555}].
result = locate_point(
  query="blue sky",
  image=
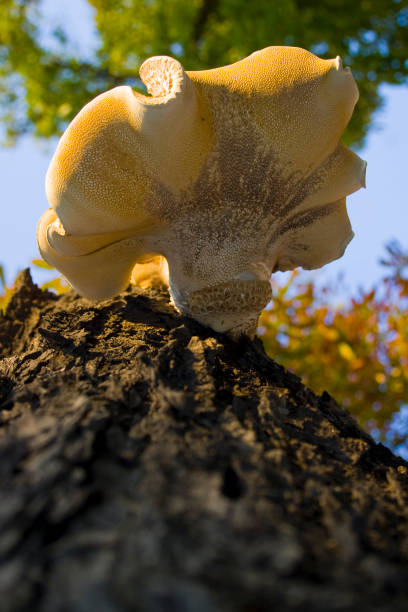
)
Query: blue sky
[{"x": 378, "y": 213}]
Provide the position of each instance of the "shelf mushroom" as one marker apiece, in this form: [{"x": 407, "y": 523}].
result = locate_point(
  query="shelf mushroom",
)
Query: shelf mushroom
[{"x": 229, "y": 174}]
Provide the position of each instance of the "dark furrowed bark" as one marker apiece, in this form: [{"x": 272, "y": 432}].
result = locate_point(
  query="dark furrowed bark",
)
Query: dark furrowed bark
[{"x": 149, "y": 464}]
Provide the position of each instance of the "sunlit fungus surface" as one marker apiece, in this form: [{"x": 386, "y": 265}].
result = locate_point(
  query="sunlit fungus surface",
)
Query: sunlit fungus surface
[{"x": 229, "y": 174}]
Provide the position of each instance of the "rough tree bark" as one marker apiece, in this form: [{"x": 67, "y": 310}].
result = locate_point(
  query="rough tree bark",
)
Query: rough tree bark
[{"x": 148, "y": 464}]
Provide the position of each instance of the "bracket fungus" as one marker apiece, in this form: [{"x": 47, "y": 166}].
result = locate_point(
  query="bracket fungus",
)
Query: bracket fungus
[{"x": 229, "y": 174}]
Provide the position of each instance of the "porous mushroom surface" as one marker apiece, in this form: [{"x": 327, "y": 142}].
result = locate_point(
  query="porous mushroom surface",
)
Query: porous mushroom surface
[{"x": 229, "y": 174}]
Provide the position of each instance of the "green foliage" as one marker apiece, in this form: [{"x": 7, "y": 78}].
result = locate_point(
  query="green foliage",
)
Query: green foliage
[
  {"x": 357, "y": 351},
  {"x": 41, "y": 90}
]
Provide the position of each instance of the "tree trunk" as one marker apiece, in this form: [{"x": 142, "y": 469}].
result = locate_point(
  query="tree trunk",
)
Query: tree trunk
[{"x": 149, "y": 464}]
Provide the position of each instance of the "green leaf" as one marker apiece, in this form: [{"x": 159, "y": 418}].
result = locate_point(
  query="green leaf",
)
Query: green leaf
[{"x": 2, "y": 278}]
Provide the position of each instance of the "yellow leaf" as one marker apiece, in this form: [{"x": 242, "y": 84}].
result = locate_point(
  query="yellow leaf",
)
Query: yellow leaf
[
  {"x": 5, "y": 298},
  {"x": 346, "y": 351},
  {"x": 40, "y": 263},
  {"x": 357, "y": 364},
  {"x": 57, "y": 284},
  {"x": 329, "y": 332}
]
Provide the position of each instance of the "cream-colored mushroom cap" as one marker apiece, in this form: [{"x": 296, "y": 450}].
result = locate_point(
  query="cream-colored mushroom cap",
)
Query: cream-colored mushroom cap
[{"x": 230, "y": 174}]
